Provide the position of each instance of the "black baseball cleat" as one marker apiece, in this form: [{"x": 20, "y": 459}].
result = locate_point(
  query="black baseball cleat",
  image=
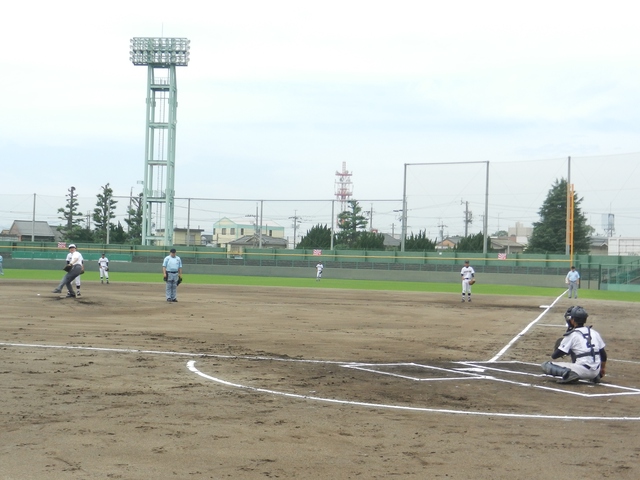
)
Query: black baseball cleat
[
  {"x": 174, "y": 300},
  {"x": 57, "y": 290}
]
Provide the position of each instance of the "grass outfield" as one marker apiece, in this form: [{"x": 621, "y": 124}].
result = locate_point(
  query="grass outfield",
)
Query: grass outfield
[{"x": 479, "y": 288}]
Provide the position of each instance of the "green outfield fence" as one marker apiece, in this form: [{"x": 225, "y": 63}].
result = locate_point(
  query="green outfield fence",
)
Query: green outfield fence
[{"x": 621, "y": 273}]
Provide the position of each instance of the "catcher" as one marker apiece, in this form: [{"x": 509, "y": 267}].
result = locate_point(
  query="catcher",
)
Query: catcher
[
  {"x": 584, "y": 345},
  {"x": 103, "y": 266},
  {"x": 468, "y": 278}
]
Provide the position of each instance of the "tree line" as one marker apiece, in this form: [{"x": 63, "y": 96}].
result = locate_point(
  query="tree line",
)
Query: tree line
[
  {"x": 549, "y": 233},
  {"x": 78, "y": 228}
]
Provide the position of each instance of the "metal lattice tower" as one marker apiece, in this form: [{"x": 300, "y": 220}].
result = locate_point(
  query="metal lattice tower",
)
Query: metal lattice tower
[
  {"x": 161, "y": 56},
  {"x": 343, "y": 187}
]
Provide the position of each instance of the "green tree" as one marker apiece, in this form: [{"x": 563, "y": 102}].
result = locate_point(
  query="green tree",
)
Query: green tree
[
  {"x": 117, "y": 234},
  {"x": 369, "y": 241},
  {"x": 134, "y": 221},
  {"x": 104, "y": 213},
  {"x": 317, "y": 237},
  {"x": 419, "y": 243},
  {"x": 549, "y": 234},
  {"x": 71, "y": 216},
  {"x": 473, "y": 244},
  {"x": 351, "y": 224}
]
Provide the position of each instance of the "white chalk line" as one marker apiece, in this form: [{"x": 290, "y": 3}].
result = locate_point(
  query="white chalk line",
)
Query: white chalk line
[
  {"x": 526, "y": 329},
  {"x": 192, "y": 368}
]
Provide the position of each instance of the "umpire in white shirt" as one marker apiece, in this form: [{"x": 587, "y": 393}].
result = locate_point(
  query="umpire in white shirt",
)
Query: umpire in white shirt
[{"x": 172, "y": 271}]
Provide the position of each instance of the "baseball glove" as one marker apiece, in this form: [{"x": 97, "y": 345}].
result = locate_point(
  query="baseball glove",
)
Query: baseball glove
[
  {"x": 106, "y": 269},
  {"x": 179, "y": 281},
  {"x": 67, "y": 268},
  {"x": 472, "y": 281}
]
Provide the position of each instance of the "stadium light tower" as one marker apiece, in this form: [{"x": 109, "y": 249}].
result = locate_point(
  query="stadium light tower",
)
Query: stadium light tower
[{"x": 161, "y": 56}]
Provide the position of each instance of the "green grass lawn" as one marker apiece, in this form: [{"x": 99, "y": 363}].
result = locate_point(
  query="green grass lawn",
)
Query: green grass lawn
[{"x": 55, "y": 276}]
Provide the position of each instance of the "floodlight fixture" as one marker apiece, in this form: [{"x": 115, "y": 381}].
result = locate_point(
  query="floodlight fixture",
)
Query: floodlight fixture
[{"x": 160, "y": 51}]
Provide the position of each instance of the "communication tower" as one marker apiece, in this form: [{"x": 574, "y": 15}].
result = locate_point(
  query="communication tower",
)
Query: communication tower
[
  {"x": 343, "y": 187},
  {"x": 161, "y": 56}
]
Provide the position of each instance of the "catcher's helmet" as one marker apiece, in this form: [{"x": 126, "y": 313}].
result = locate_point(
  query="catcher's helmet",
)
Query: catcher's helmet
[{"x": 578, "y": 314}]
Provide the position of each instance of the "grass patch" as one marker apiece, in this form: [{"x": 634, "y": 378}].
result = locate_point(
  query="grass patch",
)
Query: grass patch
[{"x": 479, "y": 289}]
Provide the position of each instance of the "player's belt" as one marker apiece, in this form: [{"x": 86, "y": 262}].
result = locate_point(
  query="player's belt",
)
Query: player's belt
[{"x": 172, "y": 272}]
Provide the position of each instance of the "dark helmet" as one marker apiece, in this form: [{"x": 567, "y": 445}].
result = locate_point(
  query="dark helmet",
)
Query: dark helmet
[{"x": 579, "y": 314}]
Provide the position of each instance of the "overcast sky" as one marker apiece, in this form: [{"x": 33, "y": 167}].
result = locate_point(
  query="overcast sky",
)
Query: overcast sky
[{"x": 279, "y": 94}]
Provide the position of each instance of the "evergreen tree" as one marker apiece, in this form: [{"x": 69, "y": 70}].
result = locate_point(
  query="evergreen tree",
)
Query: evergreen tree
[
  {"x": 369, "y": 241},
  {"x": 317, "y": 237},
  {"x": 473, "y": 244},
  {"x": 351, "y": 224},
  {"x": 117, "y": 234},
  {"x": 134, "y": 222},
  {"x": 549, "y": 234},
  {"x": 104, "y": 213},
  {"x": 71, "y": 216},
  {"x": 419, "y": 243}
]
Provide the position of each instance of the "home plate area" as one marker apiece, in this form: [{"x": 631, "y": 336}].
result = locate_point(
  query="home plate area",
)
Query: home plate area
[{"x": 515, "y": 373}]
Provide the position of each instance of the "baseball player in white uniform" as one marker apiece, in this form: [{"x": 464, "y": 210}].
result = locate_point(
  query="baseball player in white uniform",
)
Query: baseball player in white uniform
[
  {"x": 78, "y": 282},
  {"x": 467, "y": 273},
  {"x": 77, "y": 268},
  {"x": 586, "y": 348},
  {"x": 103, "y": 266},
  {"x": 319, "y": 268}
]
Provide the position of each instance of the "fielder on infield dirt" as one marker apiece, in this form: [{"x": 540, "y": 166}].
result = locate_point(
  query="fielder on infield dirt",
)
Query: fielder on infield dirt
[
  {"x": 467, "y": 273},
  {"x": 103, "y": 266},
  {"x": 584, "y": 345}
]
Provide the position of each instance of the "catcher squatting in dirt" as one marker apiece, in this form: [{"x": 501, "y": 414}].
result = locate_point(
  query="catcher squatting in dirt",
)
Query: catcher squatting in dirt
[
  {"x": 586, "y": 347},
  {"x": 468, "y": 279}
]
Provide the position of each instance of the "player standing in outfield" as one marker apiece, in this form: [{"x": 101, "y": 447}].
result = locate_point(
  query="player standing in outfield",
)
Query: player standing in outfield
[
  {"x": 586, "y": 348},
  {"x": 573, "y": 279},
  {"x": 103, "y": 266},
  {"x": 1, "y": 269},
  {"x": 319, "y": 268},
  {"x": 172, "y": 274},
  {"x": 78, "y": 282},
  {"x": 76, "y": 269},
  {"x": 467, "y": 273}
]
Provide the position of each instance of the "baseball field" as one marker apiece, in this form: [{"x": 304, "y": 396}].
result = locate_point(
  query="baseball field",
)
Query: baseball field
[{"x": 265, "y": 381}]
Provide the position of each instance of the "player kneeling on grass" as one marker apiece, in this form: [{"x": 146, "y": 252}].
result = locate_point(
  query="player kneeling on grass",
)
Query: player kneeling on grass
[{"x": 586, "y": 347}]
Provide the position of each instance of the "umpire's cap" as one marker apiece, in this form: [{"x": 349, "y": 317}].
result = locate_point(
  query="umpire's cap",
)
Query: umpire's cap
[
  {"x": 173, "y": 250},
  {"x": 73, "y": 245}
]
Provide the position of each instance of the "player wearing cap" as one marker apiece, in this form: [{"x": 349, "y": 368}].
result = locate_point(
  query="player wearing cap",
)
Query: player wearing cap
[
  {"x": 319, "y": 269},
  {"x": 584, "y": 345},
  {"x": 78, "y": 281},
  {"x": 74, "y": 268},
  {"x": 103, "y": 266},
  {"x": 172, "y": 274},
  {"x": 467, "y": 273}
]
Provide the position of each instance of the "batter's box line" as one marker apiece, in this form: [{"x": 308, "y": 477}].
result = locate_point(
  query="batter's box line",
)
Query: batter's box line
[{"x": 478, "y": 367}]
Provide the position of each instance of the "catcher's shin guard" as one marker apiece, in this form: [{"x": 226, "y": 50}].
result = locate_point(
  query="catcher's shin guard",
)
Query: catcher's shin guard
[{"x": 551, "y": 369}]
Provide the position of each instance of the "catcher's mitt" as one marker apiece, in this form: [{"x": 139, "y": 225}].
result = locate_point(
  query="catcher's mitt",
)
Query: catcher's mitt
[
  {"x": 179, "y": 281},
  {"x": 472, "y": 281},
  {"x": 67, "y": 268}
]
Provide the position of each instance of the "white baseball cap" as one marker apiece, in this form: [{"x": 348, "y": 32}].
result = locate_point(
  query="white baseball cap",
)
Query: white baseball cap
[{"x": 73, "y": 245}]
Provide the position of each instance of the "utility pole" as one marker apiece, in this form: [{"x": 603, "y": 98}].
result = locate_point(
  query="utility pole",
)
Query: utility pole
[
  {"x": 467, "y": 217},
  {"x": 296, "y": 221},
  {"x": 442, "y": 227}
]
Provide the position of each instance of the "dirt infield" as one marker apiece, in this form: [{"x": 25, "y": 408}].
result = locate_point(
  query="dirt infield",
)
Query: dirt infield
[{"x": 256, "y": 382}]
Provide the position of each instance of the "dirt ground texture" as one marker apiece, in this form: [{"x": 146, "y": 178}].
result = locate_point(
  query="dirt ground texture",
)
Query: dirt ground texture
[{"x": 305, "y": 383}]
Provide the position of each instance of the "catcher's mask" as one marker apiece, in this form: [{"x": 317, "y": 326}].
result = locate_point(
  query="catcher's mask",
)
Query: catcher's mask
[{"x": 578, "y": 314}]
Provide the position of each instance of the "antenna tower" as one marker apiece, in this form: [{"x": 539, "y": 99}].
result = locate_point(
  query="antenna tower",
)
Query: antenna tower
[{"x": 344, "y": 187}]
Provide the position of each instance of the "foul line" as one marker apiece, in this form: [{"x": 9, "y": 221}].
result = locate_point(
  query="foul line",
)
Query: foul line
[{"x": 517, "y": 337}]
